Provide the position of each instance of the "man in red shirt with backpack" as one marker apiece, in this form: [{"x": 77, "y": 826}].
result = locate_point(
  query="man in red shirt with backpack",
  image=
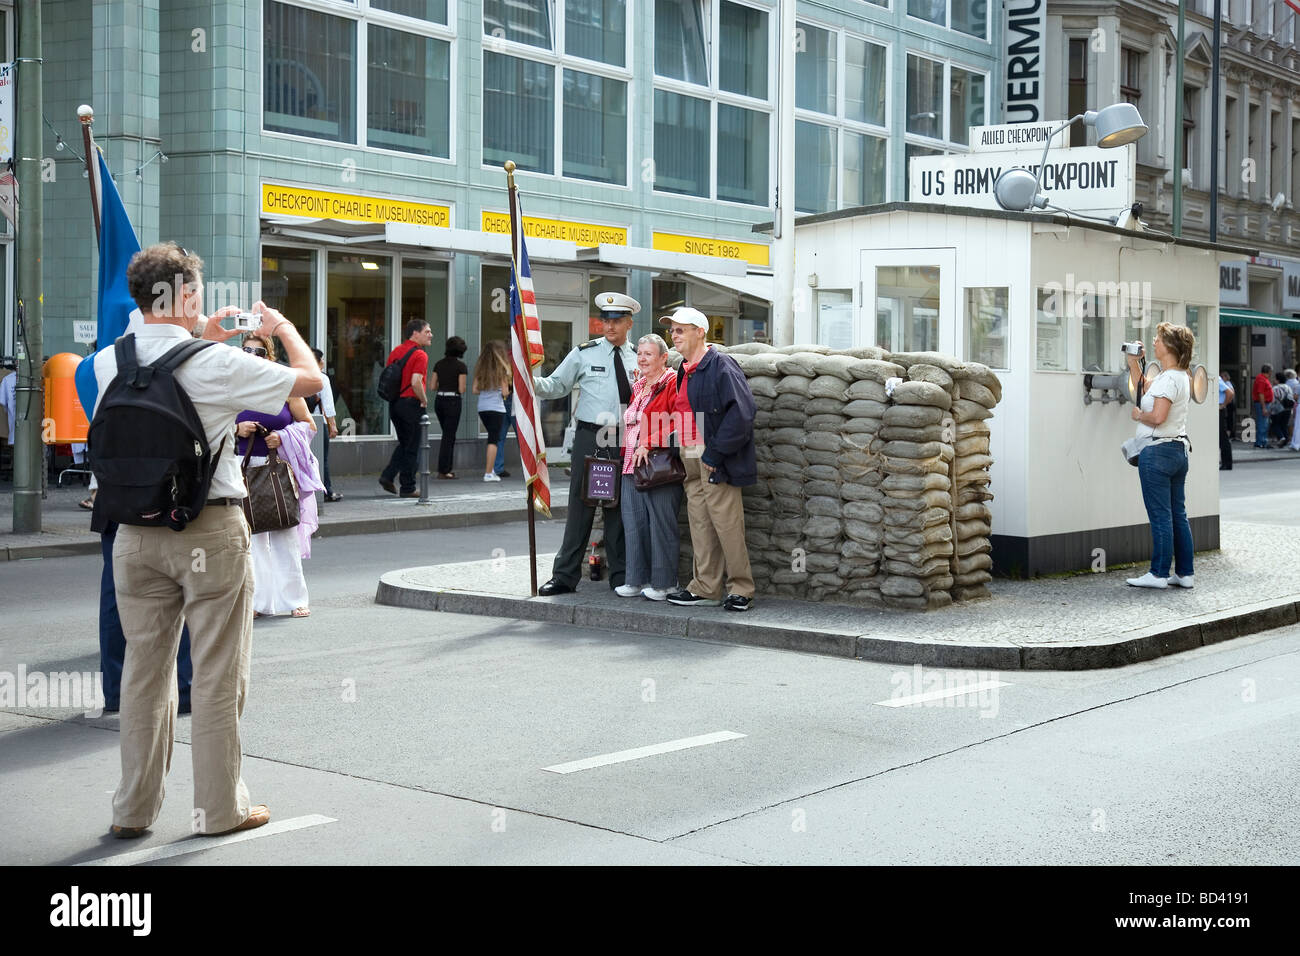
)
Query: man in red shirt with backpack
[{"x": 405, "y": 410}]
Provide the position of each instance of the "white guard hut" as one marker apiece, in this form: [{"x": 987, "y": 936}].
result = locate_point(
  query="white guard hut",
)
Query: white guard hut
[{"x": 1046, "y": 301}]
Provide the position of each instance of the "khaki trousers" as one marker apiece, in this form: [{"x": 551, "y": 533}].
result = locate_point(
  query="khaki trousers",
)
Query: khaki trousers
[
  {"x": 202, "y": 575},
  {"x": 717, "y": 520}
]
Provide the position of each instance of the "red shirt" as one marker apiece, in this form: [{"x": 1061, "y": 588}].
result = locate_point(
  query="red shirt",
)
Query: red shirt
[
  {"x": 689, "y": 433},
  {"x": 1262, "y": 391},
  {"x": 418, "y": 364},
  {"x": 649, "y": 419}
]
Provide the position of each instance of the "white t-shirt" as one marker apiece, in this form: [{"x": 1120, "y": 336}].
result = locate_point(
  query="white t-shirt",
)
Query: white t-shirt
[
  {"x": 491, "y": 401},
  {"x": 1174, "y": 385},
  {"x": 221, "y": 382}
]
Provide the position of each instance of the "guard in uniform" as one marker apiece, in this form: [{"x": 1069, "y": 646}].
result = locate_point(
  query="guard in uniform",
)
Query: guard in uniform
[{"x": 602, "y": 371}]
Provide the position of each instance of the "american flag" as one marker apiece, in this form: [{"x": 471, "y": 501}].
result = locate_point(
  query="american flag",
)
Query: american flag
[
  {"x": 525, "y": 353},
  {"x": 1293, "y": 5}
]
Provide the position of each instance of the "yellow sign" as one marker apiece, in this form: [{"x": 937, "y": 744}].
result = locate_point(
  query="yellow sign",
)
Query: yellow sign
[
  {"x": 752, "y": 252},
  {"x": 583, "y": 233},
  {"x": 321, "y": 204}
]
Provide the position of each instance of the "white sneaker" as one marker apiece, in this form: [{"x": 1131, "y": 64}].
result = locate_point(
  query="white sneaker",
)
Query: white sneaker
[
  {"x": 654, "y": 594},
  {"x": 627, "y": 590},
  {"x": 1148, "y": 580},
  {"x": 1176, "y": 582},
  {"x": 491, "y": 477}
]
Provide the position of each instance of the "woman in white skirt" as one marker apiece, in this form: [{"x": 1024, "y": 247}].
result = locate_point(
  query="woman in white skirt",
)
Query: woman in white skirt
[{"x": 279, "y": 586}]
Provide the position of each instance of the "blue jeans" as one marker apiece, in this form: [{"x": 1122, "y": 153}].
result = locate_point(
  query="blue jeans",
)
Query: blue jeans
[
  {"x": 500, "y": 464},
  {"x": 1261, "y": 425},
  {"x": 1162, "y": 469}
]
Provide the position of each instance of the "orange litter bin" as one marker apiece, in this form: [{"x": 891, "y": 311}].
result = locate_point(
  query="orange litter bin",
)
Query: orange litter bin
[{"x": 62, "y": 406}]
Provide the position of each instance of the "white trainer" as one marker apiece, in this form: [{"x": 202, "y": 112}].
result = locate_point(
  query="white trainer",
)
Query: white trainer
[
  {"x": 1148, "y": 580},
  {"x": 1176, "y": 582},
  {"x": 627, "y": 590},
  {"x": 491, "y": 477},
  {"x": 654, "y": 594}
]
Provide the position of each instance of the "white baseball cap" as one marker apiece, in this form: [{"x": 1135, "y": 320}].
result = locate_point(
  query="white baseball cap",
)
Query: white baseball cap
[{"x": 686, "y": 316}]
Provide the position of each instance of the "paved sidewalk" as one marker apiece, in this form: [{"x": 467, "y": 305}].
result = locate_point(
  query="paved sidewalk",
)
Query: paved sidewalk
[
  {"x": 1074, "y": 622},
  {"x": 365, "y": 509}
]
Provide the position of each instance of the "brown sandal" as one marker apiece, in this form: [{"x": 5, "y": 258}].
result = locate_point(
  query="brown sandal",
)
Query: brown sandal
[{"x": 301, "y": 612}]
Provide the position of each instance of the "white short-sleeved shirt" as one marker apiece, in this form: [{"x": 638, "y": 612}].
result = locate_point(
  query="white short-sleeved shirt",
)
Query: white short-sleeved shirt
[
  {"x": 221, "y": 382},
  {"x": 1174, "y": 385}
]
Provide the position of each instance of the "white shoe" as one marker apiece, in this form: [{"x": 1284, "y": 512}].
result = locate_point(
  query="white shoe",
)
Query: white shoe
[
  {"x": 491, "y": 477},
  {"x": 1148, "y": 580},
  {"x": 654, "y": 594},
  {"x": 627, "y": 590},
  {"x": 1176, "y": 582}
]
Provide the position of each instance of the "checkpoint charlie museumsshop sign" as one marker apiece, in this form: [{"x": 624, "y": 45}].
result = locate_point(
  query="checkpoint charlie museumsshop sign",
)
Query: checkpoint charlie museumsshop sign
[{"x": 1082, "y": 179}]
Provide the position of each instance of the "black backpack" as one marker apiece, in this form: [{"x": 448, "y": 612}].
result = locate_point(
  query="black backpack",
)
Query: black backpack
[
  {"x": 147, "y": 446},
  {"x": 389, "y": 385}
]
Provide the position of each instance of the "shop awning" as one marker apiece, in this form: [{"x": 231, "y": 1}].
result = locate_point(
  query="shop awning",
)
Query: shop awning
[
  {"x": 1251, "y": 317},
  {"x": 754, "y": 286}
]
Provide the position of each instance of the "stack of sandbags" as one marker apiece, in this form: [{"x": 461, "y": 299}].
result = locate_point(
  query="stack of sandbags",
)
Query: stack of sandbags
[
  {"x": 977, "y": 392},
  {"x": 916, "y": 449}
]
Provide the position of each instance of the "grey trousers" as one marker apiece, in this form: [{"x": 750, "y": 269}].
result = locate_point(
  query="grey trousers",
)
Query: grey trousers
[
  {"x": 650, "y": 534},
  {"x": 577, "y": 523}
]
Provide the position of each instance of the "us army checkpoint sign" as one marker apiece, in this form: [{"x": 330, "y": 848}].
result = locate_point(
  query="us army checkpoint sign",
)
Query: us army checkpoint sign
[{"x": 1083, "y": 179}]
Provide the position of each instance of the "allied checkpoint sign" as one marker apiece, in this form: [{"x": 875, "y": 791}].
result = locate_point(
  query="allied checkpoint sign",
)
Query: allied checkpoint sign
[{"x": 1081, "y": 179}]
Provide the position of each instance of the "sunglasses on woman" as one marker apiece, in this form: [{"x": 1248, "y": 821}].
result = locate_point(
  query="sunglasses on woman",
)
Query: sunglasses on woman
[{"x": 254, "y": 350}]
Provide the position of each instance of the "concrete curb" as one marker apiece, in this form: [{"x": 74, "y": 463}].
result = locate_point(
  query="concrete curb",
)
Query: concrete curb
[
  {"x": 1126, "y": 648},
  {"x": 332, "y": 529}
]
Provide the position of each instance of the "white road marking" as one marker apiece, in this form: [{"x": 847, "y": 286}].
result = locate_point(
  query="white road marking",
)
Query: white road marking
[
  {"x": 197, "y": 843},
  {"x": 942, "y": 694},
  {"x": 637, "y": 753}
]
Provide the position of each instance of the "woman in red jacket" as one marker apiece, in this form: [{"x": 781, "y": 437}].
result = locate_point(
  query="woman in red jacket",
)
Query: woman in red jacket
[
  {"x": 649, "y": 517},
  {"x": 1261, "y": 395}
]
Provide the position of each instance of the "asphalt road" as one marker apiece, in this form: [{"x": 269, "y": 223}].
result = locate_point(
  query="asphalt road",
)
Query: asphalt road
[{"x": 379, "y": 735}]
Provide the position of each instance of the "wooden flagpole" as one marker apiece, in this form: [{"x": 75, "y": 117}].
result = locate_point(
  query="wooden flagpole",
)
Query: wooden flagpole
[
  {"x": 87, "y": 116},
  {"x": 515, "y": 225}
]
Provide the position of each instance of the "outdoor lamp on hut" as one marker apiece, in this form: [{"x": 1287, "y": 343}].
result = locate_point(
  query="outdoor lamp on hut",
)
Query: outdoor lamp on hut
[{"x": 1116, "y": 125}]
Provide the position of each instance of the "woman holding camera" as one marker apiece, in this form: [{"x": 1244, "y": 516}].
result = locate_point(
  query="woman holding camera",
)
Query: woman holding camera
[{"x": 1162, "y": 464}]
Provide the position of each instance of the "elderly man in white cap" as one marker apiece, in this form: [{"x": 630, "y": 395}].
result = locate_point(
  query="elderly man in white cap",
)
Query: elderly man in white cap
[
  {"x": 717, "y": 436},
  {"x": 601, "y": 369}
]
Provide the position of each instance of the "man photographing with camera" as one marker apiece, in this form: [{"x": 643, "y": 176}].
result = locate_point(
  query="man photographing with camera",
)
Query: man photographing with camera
[{"x": 201, "y": 572}]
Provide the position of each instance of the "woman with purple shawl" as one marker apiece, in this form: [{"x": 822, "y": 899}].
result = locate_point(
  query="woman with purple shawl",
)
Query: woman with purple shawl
[{"x": 279, "y": 586}]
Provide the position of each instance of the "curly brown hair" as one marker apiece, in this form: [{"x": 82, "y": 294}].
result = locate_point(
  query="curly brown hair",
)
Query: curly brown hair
[
  {"x": 1180, "y": 342},
  {"x": 156, "y": 274}
]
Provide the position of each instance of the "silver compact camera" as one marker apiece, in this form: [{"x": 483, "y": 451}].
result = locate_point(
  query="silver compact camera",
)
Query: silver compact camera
[
  {"x": 247, "y": 322},
  {"x": 1131, "y": 348}
]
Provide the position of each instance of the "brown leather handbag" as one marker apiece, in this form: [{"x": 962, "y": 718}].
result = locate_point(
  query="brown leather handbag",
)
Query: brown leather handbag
[
  {"x": 663, "y": 466},
  {"x": 272, "y": 502}
]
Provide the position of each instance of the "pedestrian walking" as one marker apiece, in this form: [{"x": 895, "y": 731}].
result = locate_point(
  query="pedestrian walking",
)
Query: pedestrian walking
[
  {"x": 279, "y": 585},
  {"x": 1261, "y": 396},
  {"x": 1226, "y": 416},
  {"x": 201, "y": 571},
  {"x": 716, "y": 412},
  {"x": 492, "y": 385},
  {"x": 1162, "y": 462},
  {"x": 1279, "y": 412},
  {"x": 601, "y": 370},
  {"x": 650, "y": 517},
  {"x": 406, "y": 409},
  {"x": 324, "y": 400},
  {"x": 448, "y": 386},
  {"x": 1293, "y": 383}
]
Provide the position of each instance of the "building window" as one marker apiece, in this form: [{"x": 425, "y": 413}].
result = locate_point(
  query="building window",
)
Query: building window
[
  {"x": 1132, "y": 63},
  {"x": 926, "y": 113},
  {"x": 907, "y": 308},
  {"x": 356, "y": 320},
  {"x": 840, "y": 144},
  {"x": 409, "y": 92},
  {"x": 309, "y": 73},
  {"x": 289, "y": 286},
  {"x": 434, "y": 11},
  {"x": 1077, "y": 96},
  {"x": 1092, "y": 310},
  {"x": 728, "y": 135},
  {"x": 1191, "y": 100},
  {"x": 1051, "y": 332},
  {"x": 965, "y": 16},
  {"x": 986, "y": 326},
  {"x": 521, "y": 71},
  {"x": 1194, "y": 313},
  {"x": 833, "y": 318}
]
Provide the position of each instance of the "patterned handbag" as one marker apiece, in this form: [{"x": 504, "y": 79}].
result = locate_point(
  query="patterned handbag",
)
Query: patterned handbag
[{"x": 272, "y": 502}]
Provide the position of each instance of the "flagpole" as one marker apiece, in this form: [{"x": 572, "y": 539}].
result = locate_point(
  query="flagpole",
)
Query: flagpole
[
  {"x": 528, "y": 485},
  {"x": 87, "y": 116}
]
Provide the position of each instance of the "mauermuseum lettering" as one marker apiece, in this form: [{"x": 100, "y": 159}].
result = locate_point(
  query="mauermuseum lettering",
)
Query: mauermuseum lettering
[{"x": 1026, "y": 25}]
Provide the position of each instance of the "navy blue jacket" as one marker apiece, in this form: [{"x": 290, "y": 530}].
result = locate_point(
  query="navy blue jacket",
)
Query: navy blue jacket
[{"x": 720, "y": 396}]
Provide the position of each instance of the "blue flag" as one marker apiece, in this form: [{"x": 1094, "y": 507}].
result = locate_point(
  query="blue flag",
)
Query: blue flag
[{"x": 117, "y": 244}]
